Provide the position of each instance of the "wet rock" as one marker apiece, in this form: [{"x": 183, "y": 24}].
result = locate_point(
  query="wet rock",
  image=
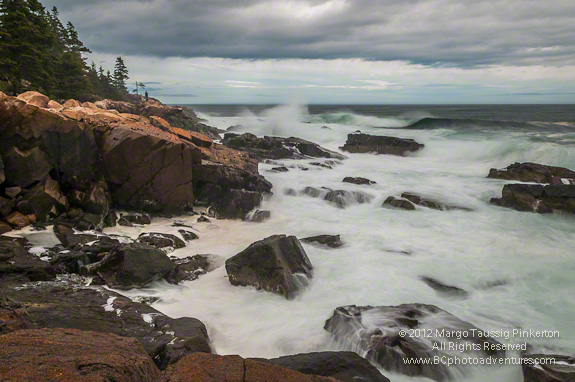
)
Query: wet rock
[
  {"x": 69, "y": 262},
  {"x": 259, "y": 216},
  {"x": 364, "y": 143},
  {"x": 5, "y": 228},
  {"x": 131, "y": 218},
  {"x": 24, "y": 167},
  {"x": 71, "y": 238},
  {"x": 45, "y": 200},
  {"x": 192, "y": 267},
  {"x": 376, "y": 331},
  {"x": 533, "y": 172},
  {"x": 331, "y": 241},
  {"x": 130, "y": 266},
  {"x": 16, "y": 261},
  {"x": 163, "y": 241},
  {"x": 319, "y": 164},
  {"x": 277, "y": 264},
  {"x": 280, "y": 169},
  {"x": 290, "y": 192},
  {"x": 538, "y": 198},
  {"x": 401, "y": 204},
  {"x": 188, "y": 235},
  {"x": 17, "y": 220},
  {"x": 444, "y": 289},
  {"x": 203, "y": 219},
  {"x": 556, "y": 368},
  {"x": 342, "y": 366},
  {"x": 69, "y": 304},
  {"x": 277, "y": 148},
  {"x": 339, "y": 198},
  {"x": 236, "y": 205},
  {"x": 358, "y": 180},
  {"x": 431, "y": 203},
  {"x": 233, "y": 368},
  {"x": 74, "y": 355},
  {"x": 111, "y": 219}
]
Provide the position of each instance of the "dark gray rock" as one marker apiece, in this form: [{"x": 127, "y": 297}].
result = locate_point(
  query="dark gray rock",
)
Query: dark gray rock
[
  {"x": 431, "y": 203},
  {"x": 277, "y": 264},
  {"x": 190, "y": 268},
  {"x": 132, "y": 218},
  {"x": 533, "y": 172},
  {"x": 538, "y": 198},
  {"x": 163, "y": 241},
  {"x": 259, "y": 216},
  {"x": 377, "y": 332},
  {"x": 442, "y": 288},
  {"x": 331, "y": 241},
  {"x": 188, "y": 235},
  {"x": 343, "y": 366},
  {"x": 364, "y": 143},
  {"x": 236, "y": 205},
  {"x": 358, "y": 181},
  {"x": 401, "y": 204},
  {"x": 338, "y": 198},
  {"x": 556, "y": 368},
  {"x": 134, "y": 265},
  {"x": 16, "y": 261},
  {"x": 280, "y": 169}
]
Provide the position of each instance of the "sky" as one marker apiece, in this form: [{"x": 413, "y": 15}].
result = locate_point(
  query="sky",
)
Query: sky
[{"x": 336, "y": 51}]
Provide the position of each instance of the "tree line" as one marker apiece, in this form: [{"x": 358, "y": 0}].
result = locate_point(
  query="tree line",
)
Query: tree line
[{"x": 37, "y": 52}]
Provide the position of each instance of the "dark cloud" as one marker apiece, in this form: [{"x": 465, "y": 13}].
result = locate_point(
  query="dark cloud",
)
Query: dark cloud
[{"x": 460, "y": 33}]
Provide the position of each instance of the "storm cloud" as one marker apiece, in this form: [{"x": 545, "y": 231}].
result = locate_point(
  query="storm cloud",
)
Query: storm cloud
[{"x": 430, "y": 32}]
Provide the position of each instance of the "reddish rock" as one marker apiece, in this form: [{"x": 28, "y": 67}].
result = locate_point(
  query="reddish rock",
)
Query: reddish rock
[
  {"x": 74, "y": 355},
  {"x": 533, "y": 172},
  {"x": 34, "y": 98},
  {"x": 200, "y": 139},
  {"x": 17, "y": 220},
  {"x": 161, "y": 123},
  {"x": 24, "y": 167},
  {"x": 54, "y": 105},
  {"x": 45, "y": 200},
  {"x": 201, "y": 367},
  {"x": 71, "y": 103},
  {"x": 89, "y": 105}
]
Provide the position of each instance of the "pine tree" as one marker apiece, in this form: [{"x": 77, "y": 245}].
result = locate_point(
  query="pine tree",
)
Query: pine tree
[{"x": 120, "y": 75}]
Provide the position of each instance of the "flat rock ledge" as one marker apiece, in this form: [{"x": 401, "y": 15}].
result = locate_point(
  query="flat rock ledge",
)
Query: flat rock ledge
[{"x": 365, "y": 143}]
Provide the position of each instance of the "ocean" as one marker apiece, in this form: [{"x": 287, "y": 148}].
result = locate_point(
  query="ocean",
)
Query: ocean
[{"x": 517, "y": 267}]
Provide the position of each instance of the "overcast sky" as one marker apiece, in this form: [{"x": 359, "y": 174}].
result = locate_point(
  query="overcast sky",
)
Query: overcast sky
[{"x": 336, "y": 51}]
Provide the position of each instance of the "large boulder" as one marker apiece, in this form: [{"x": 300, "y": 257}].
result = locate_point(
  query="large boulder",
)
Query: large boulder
[
  {"x": 538, "y": 198},
  {"x": 236, "y": 204},
  {"x": 390, "y": 335},
  {"x": 34, "y": 98},
  {"x": 277, "y": 264},
  {"x": 277, "y": 148},
  {"x": 133, "y": 266},
  {"x": 45, "y": 200},
  {"x": 68, "y": 303},
  {"x": 399, "y": 203},
  {"x": 331, "y": 241},
  {"x": 73, "y": 355},
  {"x": 25, "y": 167},
  {"x": 548, "y": 368},
  {"x": 358, "y": 181},
  {"x": 534, "y": 172},
  {"x": 214, "y": 368},
  {"x": 431, "y": 203},
  {"x": 17, "y": 262},
  {"x": 163, "y": 241},
  {"x": 342, "y": 366},
  {"x": 364, "y": 143}
]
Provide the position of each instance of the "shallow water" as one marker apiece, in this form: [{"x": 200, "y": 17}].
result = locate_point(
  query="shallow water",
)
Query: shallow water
[{"x": 386, "y": 251}]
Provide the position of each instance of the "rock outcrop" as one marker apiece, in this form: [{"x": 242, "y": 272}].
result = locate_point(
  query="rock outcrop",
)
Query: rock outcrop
[
  {"x": 535, "y": 173},
  {"x": 358, "y": 180},
  {"x": 538, "y": 198},
  {"x": 431, "y": 203},
  {"x": 93, "y": 157},
  {"x": 364, "y": 143},
  {"x": 277, "y": 264},
  {"x": 164, "y": 241},
  {"x": 389, "y": 334},
  {"x": 331, "y": 241},
  {"x": 73, "y": 355},
  {"x": 342, "y": 366},
  {"x": 399, "y": 203},
  {"x": 68, "y": 303},
  {"x": 277, "y": 148},
  {"x": 16, "y": 262},
  {"x": 232, "y": 368}
]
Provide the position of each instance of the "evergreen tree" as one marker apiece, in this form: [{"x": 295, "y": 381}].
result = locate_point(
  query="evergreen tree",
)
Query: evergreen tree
[{"x": 120, "y": 75}]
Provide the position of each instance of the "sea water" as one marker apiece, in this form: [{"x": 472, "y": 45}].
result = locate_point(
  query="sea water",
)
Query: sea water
[{"x": 517, "y": 267}]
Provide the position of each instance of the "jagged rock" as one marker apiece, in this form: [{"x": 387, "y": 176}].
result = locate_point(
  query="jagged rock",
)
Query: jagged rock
[
  {"x": 259, "y": 216},
  {"x": 331, "y": 241},
  {"x": 187, "y": 235},
  {"x": 533, "y": 172},
  {"x": 45, "y": 200},
  {"x": 131, "y": 218},
  {"x": 558, "y": 368},
  {"x": 339, "y": 198},
  {"x": 34, "y": 98},
  {"x": 442, "y": 288},
  {"x": 319, "y": 164},
  {"x": 69, "y": 262},
  {"x": 69, "y": 304},
  {"x": 130, "y": 266},
  {"x": 17, "y": 220},
  {"x": 277, "y": 148},
  {"x": 12, "y": 192},
  {"x": 233, "y": 368},
  {"x": 190, "y": 268},
  {"x": 431, "y": 203},
  {"x": 280, "y": 169},
  {"x": 376, "y": 332},
  {"x": 236, "y": 205},
  {"x": 25, "y": 167},
  {"x": 73, "y": 355},
  {"x": 358, "y": 181},
  {"x": 163, "y": 241},
  {"x": 364, "y": 143},
  {"x": 538, "y": 198},
  {"x": 276, "y": 264},
  {"x": 70, "y": 238},
  {"x": 342, "y": 366},
  {"x": 203, "y": 219},
  {"x": 399, "y": 203},
  {"x": 15, "y": 260}
]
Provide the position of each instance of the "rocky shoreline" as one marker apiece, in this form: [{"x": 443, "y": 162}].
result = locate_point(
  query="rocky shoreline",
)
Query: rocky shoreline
[{"x": 77, "y": 169}]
